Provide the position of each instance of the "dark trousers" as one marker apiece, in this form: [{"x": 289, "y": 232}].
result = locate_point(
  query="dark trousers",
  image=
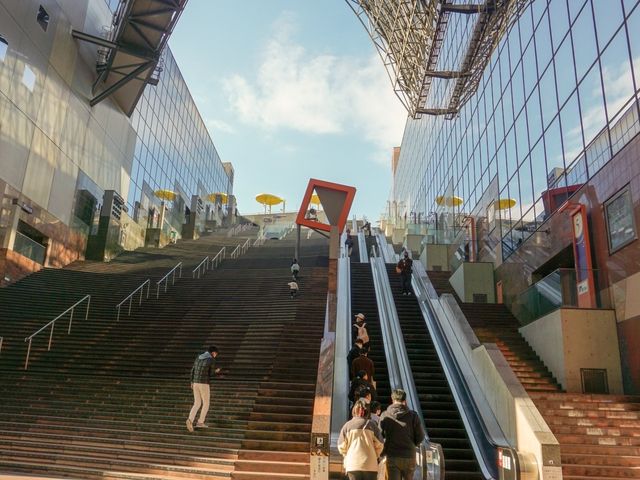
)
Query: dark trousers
[
  {"x": 362, "y": 475},
  {"x": 399, "y": 468},
  {"x": 406, "y": 282}
]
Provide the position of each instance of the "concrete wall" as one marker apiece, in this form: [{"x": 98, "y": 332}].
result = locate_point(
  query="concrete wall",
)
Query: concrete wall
[
  {"x": 474, "y": 278},
  {"x": 569, "y": 339}
]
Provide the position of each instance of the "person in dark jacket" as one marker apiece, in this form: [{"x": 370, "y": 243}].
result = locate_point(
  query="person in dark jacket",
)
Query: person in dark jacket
[
  {"x": 403, "y": 432},
  {"x": 363, "y": 362},
  {"x": 361, "y": 380},
  {"x": 404, "y": 268},
  {"x": 202, "y": 373},
  {"x": 353, "y": 354}
]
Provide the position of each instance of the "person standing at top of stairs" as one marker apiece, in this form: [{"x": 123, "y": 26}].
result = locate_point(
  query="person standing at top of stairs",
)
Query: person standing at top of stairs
[
  {"x": 202, "y": 373},
  {"x": 404, "y": 267}
]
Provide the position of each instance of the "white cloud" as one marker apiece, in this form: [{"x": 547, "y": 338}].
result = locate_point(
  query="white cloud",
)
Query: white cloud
[
  {"x": 319, "y": 94},
  {"x": 216, "y": 125}
]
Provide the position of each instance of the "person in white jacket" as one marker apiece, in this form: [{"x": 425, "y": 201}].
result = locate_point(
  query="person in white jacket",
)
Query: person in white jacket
[{"x": 360, "y": 443}]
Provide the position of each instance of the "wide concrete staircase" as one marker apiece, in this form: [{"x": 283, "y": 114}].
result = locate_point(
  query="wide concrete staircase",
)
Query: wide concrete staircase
[
  {"x": 599, "y": 435},
  {"x": 110, "y": 400}
]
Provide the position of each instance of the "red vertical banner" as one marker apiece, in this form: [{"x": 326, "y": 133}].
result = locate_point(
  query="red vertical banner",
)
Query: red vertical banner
[{"x": 585, "y": 284}]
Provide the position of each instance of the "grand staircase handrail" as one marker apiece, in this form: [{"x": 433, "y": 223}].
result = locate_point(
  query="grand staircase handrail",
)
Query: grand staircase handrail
[
  {"x": 205, "y": 263},
  {"x": 129, "y": 297},
  {"x": 234, "y": 254},
  {"x": 53, "y": 323},
  {"x": 165, "y": 279},
  {"x": 431, "y": 455},
  {"x": 217, "y": 259},
  {"x": 487, "y": 440},
  {"x": 245, "y": 246}
]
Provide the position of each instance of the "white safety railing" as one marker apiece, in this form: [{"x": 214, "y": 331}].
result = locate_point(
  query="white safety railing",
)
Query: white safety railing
[
  {"x": 204, "y": 263},
  {"x": 259, "y": 241},
  {"x": 53, "y": 323},
  {"x": 217, "y": 260},
  {"x": 245, "y": 246},
  {"x": 165, "y": 279},
  {"x": 235, "y": 254},
  {"x": 130, "y": 297}
]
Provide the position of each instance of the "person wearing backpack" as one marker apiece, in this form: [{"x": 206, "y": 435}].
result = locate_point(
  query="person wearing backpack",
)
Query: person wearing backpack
[
  {"x": 360, "y": 443},
  {"x": 295, "y": 270},
  {"x": 404, "y": 268}
]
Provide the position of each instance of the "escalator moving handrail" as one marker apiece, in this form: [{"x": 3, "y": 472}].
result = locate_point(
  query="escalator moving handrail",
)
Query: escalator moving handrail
[
  {"x": 486, "y": 448},
  {"x": 399, "y": 370}
]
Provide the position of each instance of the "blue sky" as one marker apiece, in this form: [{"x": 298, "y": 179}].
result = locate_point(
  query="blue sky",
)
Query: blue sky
[{"x": 291, "y": 90}]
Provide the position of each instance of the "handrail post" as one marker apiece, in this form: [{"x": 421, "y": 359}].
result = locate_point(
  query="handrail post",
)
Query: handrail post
[
  {"x": 141, "y": 294},
  {"x": 130, "y": 302},
  {"x": 26, "y": 360},
  {"x": 86, "y": 315},
  {"x": 157, "y": 291},
  {"x": 70, "y": 321},
  {"x": 1, "y": 340},
  {"x": 53, "y": 324},
  {"x": 118, "y": 316}
]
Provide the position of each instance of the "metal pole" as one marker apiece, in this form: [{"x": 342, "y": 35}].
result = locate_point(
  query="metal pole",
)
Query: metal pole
[
  {"x": 86, "y": 315},
  {"x": 118, "y": 317},
  {"x": 70, "y": 321},
  {"x": 53, "y": 324},
  {"x": 130, "y": 301},
  {"x": 26, "y": 361},
  {"x": 141, "y": 294}
]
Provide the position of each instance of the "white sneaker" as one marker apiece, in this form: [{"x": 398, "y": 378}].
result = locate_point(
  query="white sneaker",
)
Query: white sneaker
[
  {"x": 189, "y": 425},
  {"x": 202, "y": 425}
]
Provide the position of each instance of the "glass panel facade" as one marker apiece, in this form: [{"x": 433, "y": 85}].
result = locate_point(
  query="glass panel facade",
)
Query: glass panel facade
[{"x": 557, "y": 100}]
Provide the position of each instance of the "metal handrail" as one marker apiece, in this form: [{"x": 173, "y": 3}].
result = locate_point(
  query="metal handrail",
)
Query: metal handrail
[
  {"x": 259, "y": 241},
  {"x": 215, "y": 261},
  {"x": 53, "y": 323},
  {"x": 205, "y": 261},
  {"x": 166, "y": 277},
  {"x": 1, "y": 340},
  {"x": 245, "y": 246},
  {"x": 147, "y": 282},
  {"x": 234, "y": 254}
]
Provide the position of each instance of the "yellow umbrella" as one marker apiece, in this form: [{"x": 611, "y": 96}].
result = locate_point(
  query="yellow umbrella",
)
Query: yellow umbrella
[
  {"x": 165, "y": 195},
  {"x": 449, "y": 201},
  {"x": 213, "y": 197},
  {"x": 504, "y": 203},
  {"x": 268, "y": 199}
]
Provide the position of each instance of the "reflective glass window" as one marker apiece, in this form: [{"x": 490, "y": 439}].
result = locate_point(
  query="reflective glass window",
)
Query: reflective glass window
[
  {"x": 530, "y": 71},
  {"x": 592, "y": 102},
  {"x": 571, "y": 129},
  {"x": 565, "y": 74},
  {"x": 559, "y": 18},
  {"x": 584, "y": 41},
  {"x": 633, "y": 26},
  {"x": 547, "y": 88},
  {"x": 609, "y": 17},
  {"x": 534, "y": 117},
  {"x": 543, "y": 44},
  {"x": 616, "y": 74},
  {"x": 576, "y": 7}
]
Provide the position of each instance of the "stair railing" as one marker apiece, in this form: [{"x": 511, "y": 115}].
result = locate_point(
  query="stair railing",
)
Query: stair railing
[
  {"x": 245, "y": 246},
  {"x": 217, "y": 260},
  {"x": 259, "y": 241},
  {"x": 234, "y": 254},
  {"x": 204, "y": 263},
  {"x": 53, "y": 323},
  {"x": 129, "y": 297},
  {"x": 165, "y": 279},
  {"x": 1, "y": 340}
]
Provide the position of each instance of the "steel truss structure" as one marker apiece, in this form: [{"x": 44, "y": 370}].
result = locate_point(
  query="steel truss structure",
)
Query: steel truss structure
[
  {"x": 409, "y": 35},
  {"x": 131, "y": 53}
]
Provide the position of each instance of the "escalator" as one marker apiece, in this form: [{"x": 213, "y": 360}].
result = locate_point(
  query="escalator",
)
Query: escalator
[
  {"x": 443, "y": 421},
  {"x": 363, "y": 299}
]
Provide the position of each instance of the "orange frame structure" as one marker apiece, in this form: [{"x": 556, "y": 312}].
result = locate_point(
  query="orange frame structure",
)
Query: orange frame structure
[{"x": 350, "y": 193}]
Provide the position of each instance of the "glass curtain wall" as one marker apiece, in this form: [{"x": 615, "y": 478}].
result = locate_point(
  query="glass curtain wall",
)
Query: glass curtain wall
[{"x": 558, "y": 99}]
